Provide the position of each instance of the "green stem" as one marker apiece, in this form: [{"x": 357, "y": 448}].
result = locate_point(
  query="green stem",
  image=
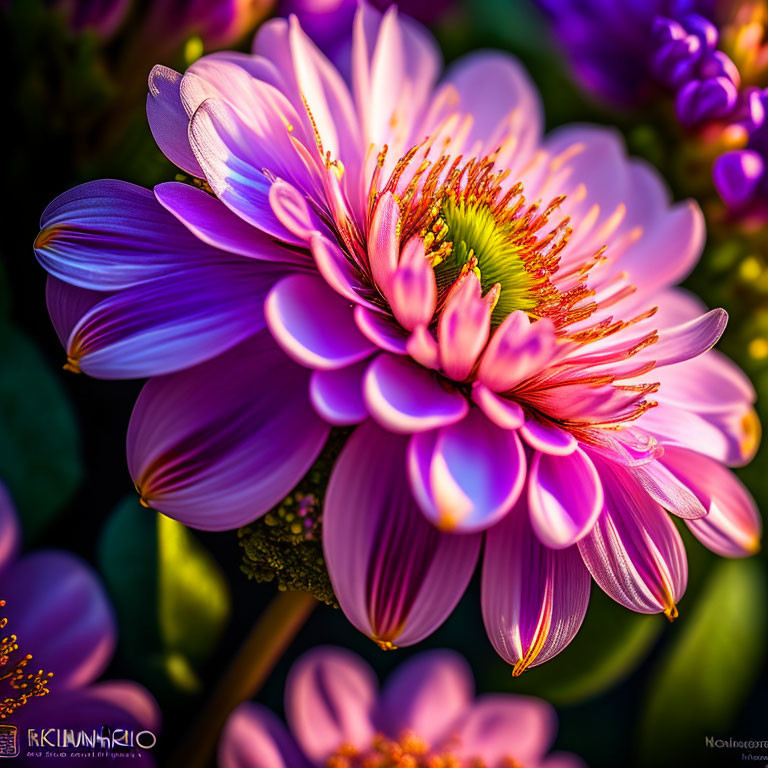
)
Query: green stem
[{"x": 261, "y": 650}]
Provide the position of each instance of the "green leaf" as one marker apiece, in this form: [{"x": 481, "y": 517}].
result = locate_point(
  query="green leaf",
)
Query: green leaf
[
  {"x": 171, "y": 598},
  {"x": 704, "y": 676},
  {"x": 609, "y": 646},
  {"x": 39, "y": 441}
]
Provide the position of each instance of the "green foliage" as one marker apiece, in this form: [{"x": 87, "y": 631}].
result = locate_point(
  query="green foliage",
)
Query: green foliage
[
  {"x": 39, "y": 441},
  {"x": 171, "y": 598},
  {"x": 610, "y": 645},
  {"x": 705, "y": 674}
]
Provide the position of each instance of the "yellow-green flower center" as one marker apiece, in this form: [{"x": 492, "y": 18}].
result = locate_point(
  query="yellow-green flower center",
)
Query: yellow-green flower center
[{"x": 473, "y": 230}]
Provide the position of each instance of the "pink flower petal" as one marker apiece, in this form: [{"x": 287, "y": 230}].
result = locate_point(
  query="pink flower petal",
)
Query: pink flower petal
[
  {"x": 732, "y": 525},
  {"x": 548, "y": 438},
  {"x": 254, "y": 738},
  {"x": 499, "y": 727},
  {"x": 517, "y": 350},
  {"x": 426, "y": 695},
  {"x": 463, "y": 328},
  {"x": 466, "y": 476},
  {"x": 534, "y": 598},
  {"x": 384, "y": 240},
  {"x": 330, "y": 697},
  {"x": 565, "y": 497},
  {"x": 10, "y": 531},
  {"x": 634, "y": 551},
  {"x": 292, "y": 210},
  {"x": 412, "y": 289},
  {"x": 405, "y": 398},
  {"x": 396, "y": 576},
  {"x": 313, "y": 324},
  {"x": 216, "y": 451},
  {"x": 506, "y": 414}
]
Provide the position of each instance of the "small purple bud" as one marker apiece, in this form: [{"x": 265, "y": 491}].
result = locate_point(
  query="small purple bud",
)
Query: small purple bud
[
  {"x": 719, "y": 64},
  {"x": 665, "y": 30},
  {"x": 736, "y": 176},
  {"x": 701, "y": 100},
  {"x": 674, "y": 63},
  {"x": 750, "y": 110},
  {"x": 703, "y": 29}
]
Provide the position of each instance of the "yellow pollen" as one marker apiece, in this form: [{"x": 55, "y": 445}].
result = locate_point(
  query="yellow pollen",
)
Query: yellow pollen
[
  {"x": 23, "y": 685},
  {"x": 72, "y": 365}
]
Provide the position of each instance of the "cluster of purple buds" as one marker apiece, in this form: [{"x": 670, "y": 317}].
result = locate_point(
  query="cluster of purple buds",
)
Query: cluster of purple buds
[{"x": 707, "y": 83}]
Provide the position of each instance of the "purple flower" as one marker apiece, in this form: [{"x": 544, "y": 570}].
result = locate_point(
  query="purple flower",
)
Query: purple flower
[
  {"x": 425, "y": 715},
  {"x": 56, "y": 613},
  {"x": 539, "y": 385}
]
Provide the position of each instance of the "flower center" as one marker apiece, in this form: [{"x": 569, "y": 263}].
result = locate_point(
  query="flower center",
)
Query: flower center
[
  {"x": 409, "y": 751},
  {"x": 23, "y": 685},
  {"x": 473, "y": 231}
]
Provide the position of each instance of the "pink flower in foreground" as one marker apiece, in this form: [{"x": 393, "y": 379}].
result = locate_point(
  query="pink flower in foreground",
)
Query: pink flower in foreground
[
  {"x": 366, "y": 257},
  {"x": 426, "y": 716}
]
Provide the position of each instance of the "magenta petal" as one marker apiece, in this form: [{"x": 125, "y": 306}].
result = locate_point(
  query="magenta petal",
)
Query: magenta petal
[
  {"x": 254, "y": 738},
  {"x": 517, "y": 349},
  {"x": 405, "y": 398},
  {"x": 329, "y": 701},
  {"x": 548, "y": 438},
  {"x": 10, "y": 531},
  {"x": 497, "y": 727},
  {"x": 732, "y": 525},
  {"x": 335, "y": 268},
  {"x": 218, "y": 445},
  {"x": 396, "y": 576},
  {"x": 463, "y": 328},
  {"x": 426, "y": 695},
  {"x": 412, "y": 289},
  {"x": 313, "y": 324},
  {"x": 106, "y": 235},
  {"x": 381, "y": 330},
  {"x": 466, "y": 476},
  {"x": 338, "y": 395},
  {"x": 565, "y": 497},
  {"x": 634, "y": 551},
  {"x": 53, "y": 589},
  {"x": 506, "y": 414},
  {"x": 168, "y": 120},
  {"x": 668, "y": 490},
  {"x": 534, "y": 598},
  {"x": 687, "y": 340},
  {"x": 172, "y": 322},
  {"x": 211, "y": 221},
  {"x": 292, "y": 210},
  {"x": 384, "y": 240}
]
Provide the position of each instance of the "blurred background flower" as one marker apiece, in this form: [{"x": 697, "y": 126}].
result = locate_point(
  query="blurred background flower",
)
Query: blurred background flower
[
  {"x": 57, "y": 619},
  {"x": 425, "y": 715}
]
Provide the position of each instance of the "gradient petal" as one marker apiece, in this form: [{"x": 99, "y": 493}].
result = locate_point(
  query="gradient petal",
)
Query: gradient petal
[
  {"x": 468, "y": 475},
  {"x": 106, "y": 235},
  {"x": 172, "y": 322},
  {"x": 218, "y": 445},
  {"x": 60, "y": 612},
  {"x": 732, "y": 525},
  {"x": 634, "y": 551},
  {"x": 314, "y": 325},
  {"x": 498, "y": 727},
  {"x": 168, "y": 120},
  {"x": 254, "y": 738},
  {"x": 10, "y": 530},
  {"x": 405, "y": 398},
  {"x": 426, "y": 695},
  {"x": 565, "y": 497},
  {"x": 330, "y": 697},
  {"x": 396, "y": 577},
  {"x": 338, "y": 395},
  {"x": 534, "y": 598}
]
